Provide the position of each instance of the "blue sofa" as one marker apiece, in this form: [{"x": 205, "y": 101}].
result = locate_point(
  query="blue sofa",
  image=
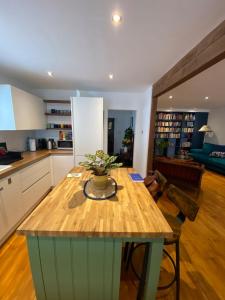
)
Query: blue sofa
[{"x": 203, "y": 156}]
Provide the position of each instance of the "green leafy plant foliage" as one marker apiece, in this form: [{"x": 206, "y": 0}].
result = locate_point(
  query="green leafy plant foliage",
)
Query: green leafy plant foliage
[
  {"x": 128, "y": 137},
  {"x": 100, "y": 163}
]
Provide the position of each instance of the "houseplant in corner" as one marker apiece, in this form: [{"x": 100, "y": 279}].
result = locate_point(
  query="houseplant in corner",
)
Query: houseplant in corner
[{"x": 100, "y": 164}]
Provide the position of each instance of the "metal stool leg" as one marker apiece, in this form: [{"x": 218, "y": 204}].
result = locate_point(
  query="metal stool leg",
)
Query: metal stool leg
[
  {"x": 141, "y": 287},
  {"x": 126, "y": 249},
  {"x": 177, "y": 270},
  {"x": 130, "y": 252}
]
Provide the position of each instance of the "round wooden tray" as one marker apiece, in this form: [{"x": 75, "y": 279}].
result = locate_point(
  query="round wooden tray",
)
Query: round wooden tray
[{"x": 91, "y": 192}]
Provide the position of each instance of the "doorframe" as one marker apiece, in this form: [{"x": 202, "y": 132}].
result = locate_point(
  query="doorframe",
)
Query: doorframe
[
  {"x": 205, "y": 54},
  {"x": 106, "y": 116}
]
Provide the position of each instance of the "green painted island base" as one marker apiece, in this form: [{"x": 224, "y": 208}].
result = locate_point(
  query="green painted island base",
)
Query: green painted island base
[{"x": 66, "y": 268}]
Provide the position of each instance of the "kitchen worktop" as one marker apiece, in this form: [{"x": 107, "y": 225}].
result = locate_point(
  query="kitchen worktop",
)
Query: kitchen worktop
[
  {"x": 30, "y": 158},
  {"x": 67, "y": 212}
]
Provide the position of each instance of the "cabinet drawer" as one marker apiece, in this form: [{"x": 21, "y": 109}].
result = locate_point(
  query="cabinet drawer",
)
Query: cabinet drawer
[
  {"x": 34, "y": 172},
  {"x": 33, "y": 194}
]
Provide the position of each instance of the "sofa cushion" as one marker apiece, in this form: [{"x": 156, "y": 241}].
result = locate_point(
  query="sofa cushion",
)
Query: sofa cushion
[
  {"x": 200, "y": 157},
  {"x": 216, "y": 161},
  {"x": 219, "y": 148},
  {"x": 208, "y": 148},
  {"x": 199, "y": 151}
]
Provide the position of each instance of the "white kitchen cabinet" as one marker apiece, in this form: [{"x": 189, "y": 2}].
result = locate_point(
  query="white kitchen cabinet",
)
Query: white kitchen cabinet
[
  {"x": 35, "y": 192},
  {"x": 61, "y": 165},
  {"x": 20, "y": 110},
  {"x": 35, "y": 182},
  {"x": 11, "y": 206},
  {"x": 87, "y": 116}
]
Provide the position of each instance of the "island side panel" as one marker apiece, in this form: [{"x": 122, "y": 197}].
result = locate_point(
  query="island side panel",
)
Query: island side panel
[
  {"x": 153, "y": 269},
  {"x": 35, "y": 264},
  {"x": 75, "y": 268}
]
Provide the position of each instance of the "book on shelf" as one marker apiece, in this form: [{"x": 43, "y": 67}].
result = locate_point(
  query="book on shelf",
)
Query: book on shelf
[
  {"x": 167, "y": 135},
  {"x": 168, "y": 129},
  {"x": 188, "y": 129},
  {"x": 169, "y": 116},
  {"x": 168, "y": 124}
]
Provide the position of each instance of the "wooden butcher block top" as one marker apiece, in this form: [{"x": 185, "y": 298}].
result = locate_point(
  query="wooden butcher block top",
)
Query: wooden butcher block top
[{"x": 67, "y": 212}]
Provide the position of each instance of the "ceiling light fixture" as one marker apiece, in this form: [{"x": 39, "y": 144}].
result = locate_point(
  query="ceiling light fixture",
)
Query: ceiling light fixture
[
  {"x": 170, "y": 97},
  {"x": 50, "y": 73},
  {"x": 206, "y": 98},
  {"x": 116, "y": 18},
  {"x": 110, "y": 76}
]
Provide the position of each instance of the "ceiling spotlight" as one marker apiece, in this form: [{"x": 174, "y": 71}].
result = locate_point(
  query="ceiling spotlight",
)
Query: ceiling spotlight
[
  {"x": 116, "y": 18},
  {"x": 50, "y": 73},
  {"x": 110, "y": 76},
  {"x": 170, "y": 97},
  {"x": 206, "y": 98}
]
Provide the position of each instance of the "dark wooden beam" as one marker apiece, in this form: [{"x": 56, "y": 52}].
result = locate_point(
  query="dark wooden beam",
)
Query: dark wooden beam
[
  {"x": 207, "y": 53},
  {"x": 152, "y": 133}
]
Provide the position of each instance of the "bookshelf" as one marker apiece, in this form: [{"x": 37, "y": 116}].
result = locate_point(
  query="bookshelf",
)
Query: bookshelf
[{"x": 175, "y": 132}]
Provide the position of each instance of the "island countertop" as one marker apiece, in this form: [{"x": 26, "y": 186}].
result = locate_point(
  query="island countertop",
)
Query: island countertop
[{"x": 67, "y": 212}]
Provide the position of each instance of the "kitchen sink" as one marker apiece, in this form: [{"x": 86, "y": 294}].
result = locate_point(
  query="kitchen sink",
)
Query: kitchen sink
[{"x": 4, "y": 167}]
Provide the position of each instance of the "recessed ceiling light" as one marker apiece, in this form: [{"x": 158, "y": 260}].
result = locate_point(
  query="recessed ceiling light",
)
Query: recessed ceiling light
[
  {"x": 110, "y": 76},
  {"x": 170, "y": 97},
  {"x": 116, "y": 18},
  {"x": 206, "y": 98},
  {"x": 50, "y": 73}
]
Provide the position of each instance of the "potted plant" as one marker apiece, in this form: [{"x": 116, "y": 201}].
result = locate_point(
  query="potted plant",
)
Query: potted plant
[
  {"x": 100, "y": 164},
  {"x": 128, "y": 139},
  {"x": 161, "y": 147}
]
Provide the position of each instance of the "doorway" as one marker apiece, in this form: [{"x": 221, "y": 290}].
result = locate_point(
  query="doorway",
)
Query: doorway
[{"x": 121, "y": 128}]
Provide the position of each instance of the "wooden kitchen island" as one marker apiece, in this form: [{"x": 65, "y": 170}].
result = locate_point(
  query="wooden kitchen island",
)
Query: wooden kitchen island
[{"x": 75, "y": 243}]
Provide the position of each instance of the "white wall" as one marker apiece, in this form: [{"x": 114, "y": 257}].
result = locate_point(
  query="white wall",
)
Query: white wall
[
  {"x": 16, "y": 139},
  {"x": 122, "y": 120},
  {"x": 216, "y": 121},
  {"x": 138, "y": 101}
]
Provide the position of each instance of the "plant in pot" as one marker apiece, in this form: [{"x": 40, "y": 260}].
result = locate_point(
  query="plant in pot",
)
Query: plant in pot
[
  {"x": 128, "y": 139},
  {"x": 161, "y": 147},
  {"x": 100, "y": 164}
]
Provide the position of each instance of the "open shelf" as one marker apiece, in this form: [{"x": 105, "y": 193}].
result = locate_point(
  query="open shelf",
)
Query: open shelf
[
  {"x": 57, "y": 101},
  {"x": 62, "y": 115},
  {"x": 59, "y": 129}
]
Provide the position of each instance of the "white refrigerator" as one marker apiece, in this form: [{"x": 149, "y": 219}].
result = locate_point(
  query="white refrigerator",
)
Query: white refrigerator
[{"x": 87, "y": 123}]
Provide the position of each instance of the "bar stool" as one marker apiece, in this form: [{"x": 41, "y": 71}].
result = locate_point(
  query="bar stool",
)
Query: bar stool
[
  {"x": 188, "y": 209},
  {"x": 156, "y": 183}
]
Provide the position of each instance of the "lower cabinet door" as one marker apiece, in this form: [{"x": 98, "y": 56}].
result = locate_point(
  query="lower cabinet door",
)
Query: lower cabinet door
[
  {"x": 11, "y": 200},
  {"x": 34, "y": 193},
  {"x": 3, "y": 219}
]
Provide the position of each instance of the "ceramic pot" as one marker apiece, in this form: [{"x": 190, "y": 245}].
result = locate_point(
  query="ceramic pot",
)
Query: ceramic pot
[{"x": 100, "y": 182}]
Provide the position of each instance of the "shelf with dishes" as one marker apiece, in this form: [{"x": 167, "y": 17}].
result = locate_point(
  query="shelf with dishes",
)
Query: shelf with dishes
[
  {"x": 63, "y": 114},
  {"x": 59, "y": 126},
  {"x": 58, "y": 115}
]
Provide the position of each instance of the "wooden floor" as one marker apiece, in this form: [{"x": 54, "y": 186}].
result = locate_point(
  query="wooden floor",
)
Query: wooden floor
[{"x": 202, "y": 255}]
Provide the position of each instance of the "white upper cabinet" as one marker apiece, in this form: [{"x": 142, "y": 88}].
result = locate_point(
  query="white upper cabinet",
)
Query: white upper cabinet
[{"x": 20, "y": 110}]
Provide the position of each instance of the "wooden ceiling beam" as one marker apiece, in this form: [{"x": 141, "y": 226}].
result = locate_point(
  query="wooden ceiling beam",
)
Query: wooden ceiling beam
[{"x": 207, "y": 53}]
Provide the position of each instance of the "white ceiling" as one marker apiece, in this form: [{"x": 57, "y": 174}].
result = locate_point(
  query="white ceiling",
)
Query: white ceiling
[
  {"x": 192, "y": 93},
  {"x": 76, "y": 40}
]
